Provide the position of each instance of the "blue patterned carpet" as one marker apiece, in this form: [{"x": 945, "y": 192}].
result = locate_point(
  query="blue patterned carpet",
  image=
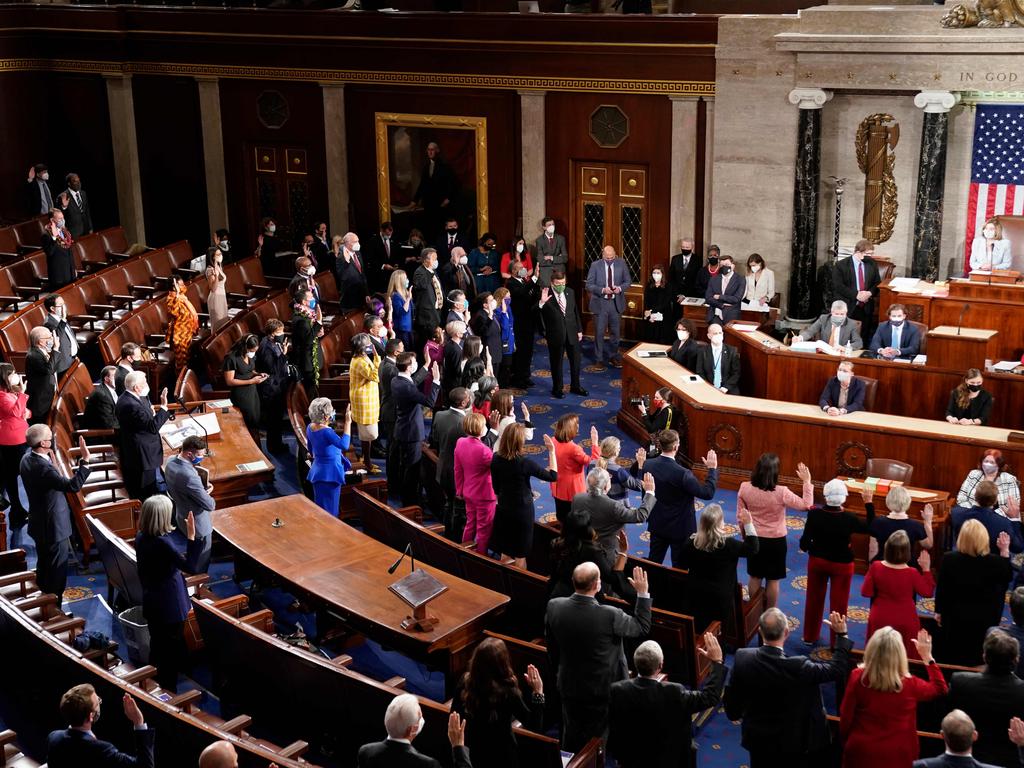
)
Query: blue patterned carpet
[{"x": 718, "y": 738}]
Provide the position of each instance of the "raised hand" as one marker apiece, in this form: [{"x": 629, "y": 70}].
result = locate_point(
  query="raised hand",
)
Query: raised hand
[
  {"x": 163, "y": 397},
  {"x": 83, "y": 449},
  {"x": 927, "y": 514},
  {"x": 549, "y": 443},
  {"x": 923, "y": 643},
  {"x": 131, "y": 711},
  {"x": 648, "y": 483},
  {"x": 456, "y": 730},
  {"x": 837, "y": 622},
  {"x": 1016, "y": 731},
  {"x": 1013, "y": 508},
  {"x": 1003, "y": 543},
  {"x": 803, "y": 472},
  {"x": 525, "y": 411},
  {"x": 593, "y": 437},
  {"x": 711, "y": 460},
  {"x": 435, "y": 372},
  {"x": 190, "y": 527},
  {"x": 32, "y": 173},
  {"x": 493, "y": 419},
  {"x": 743, "y": 516},
  {"x": 639, "y": 581},
  {"x": 533, "y": 679},
  {"x": 924, "y": 560},
  {"x": 712, "y": 649},
  {"x": 867, "y": 494},
  {"x": 348, "y": 414},
  {"x": 544, "y": 295},
  {"x": 641, "y": 457}
]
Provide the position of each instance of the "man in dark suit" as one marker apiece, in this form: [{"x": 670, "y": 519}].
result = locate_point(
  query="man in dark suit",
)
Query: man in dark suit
[
  {"x": 305, "y": 276},
  {"x": 75, "y": 204},
  {"x": 428, "y": 299},
  {"x": 649, "y": 720},
  {"x": 843, "y": 393},
  {"x": 56, "y": 244},
  {"x": 608, "y": 516},
  {"x": 451, "y": 239},
  {"x": 191, "y": 495},
  {"x": 673, "y": 519},
  {"x": 836, "y": 329},
  {"x": 523, "y": 294},
  {"x": 99, "y": 407},
  {"x": 719, "y": 363},
  {"x": 724, "y": 293},
  {"x": 77, "y": 746},
  {"x": 986, "y": 500},
  {"x": 584, "y": 640},
  {"x": 351, "y": 275},
  {"x": 855, "y": 280},
  {"x": 49, "y": 517},
  {"x": 683, "y": 271},
  {"x": 991, "y": 697},
  {"x": 778, "y": 697},
  {"x": 454, "y": 275},
  {"x": 66, "y": 350},
  {"x": 141, "y": 453},
  {"x": 409, "y": 424},
  {"x": 437, "y": 192},
  {"x": 607, "y": 281},
  {"x": 41, "y": 372},
  {"x": 896, "y": 337},
  {"x": 564, "y": 332},
  {"x": 551, "y": 251},
  {"x": 131, "y": 353},
  {"x": 445, "y": 431},
  {"x": 959, "y": 736},
  {"x": 321, "y": 248},
  {"x": 404, "y": 721},
  {"x": 39, "y": 196},
  {"x": 382, "y": 257}
]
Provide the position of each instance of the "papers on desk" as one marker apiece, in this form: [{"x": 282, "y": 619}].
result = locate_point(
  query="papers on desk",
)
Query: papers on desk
[
  {"x": 1006, "y": 365},
  {"x": 814, "y": 346},
  {"x": 175, "y": 432},
  {"x": 744, "y": 327},
  {"x": 755, "y": 307},
  {"x": 252, "y": 466},
  {"x": 874, "y": 483},
  {"x": 650, "y": 353},
  {"x": 693, "y": 301},
  {"x": 905, "y": 284},
  {"x": 920, "y": 360},
  {"x": 215, "y": 404}
]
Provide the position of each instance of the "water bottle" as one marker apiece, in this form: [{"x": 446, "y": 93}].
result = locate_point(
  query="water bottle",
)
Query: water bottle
[{"x": 849, "y": 349}]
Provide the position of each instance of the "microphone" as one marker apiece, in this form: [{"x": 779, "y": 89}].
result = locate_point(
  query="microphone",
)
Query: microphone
[
  {"x": 190, "y": 412},
  {"x": 398, "y": 562},
  {"x": 960, "y": 322}
]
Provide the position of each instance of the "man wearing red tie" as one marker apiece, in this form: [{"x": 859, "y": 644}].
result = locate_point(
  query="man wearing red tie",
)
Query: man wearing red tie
[
  {"x": 856, "y": 282},
  {"x": 351, "y": 275}
]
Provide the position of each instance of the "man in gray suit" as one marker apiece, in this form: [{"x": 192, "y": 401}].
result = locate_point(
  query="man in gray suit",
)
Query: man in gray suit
[
  {"x": 584, "y": 640},
  {"x": 190, "y": 494},
  {"x": 607, "y": 282},
  {"x": 608, "y": 516},
  {"x": 445, "y": 431},
  {"x": 551, "y": 251},
  {"x": 835, "y": 328}
]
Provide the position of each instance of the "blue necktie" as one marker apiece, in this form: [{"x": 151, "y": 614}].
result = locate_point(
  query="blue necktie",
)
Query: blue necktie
[
  {"x": 896, "y": 337},
  {"x": 718, "y": 370}
]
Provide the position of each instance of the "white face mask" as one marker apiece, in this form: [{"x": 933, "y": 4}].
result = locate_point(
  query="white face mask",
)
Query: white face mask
[
  {"x": 145, "y": 392},
  {"x": 45, "y": 176},
  {"x": 272, "y": 228},
  {"x": 383, "y": 333},
  {"x": 355, "y": 247},
  {"x": 413, "y": 367},
  {"x": 519, "y": 248},
  {"x": 716, "y": 341},
  {"x": 656, "y": 276},
  {"x": 310, "y": 271},
  {"x": 463, "y": 260},
  {"x": 990, "y": 233},
  {"x": 682, "y": 335},
  {"x": 419, "y": 727},
  {"x": 844, "y": 377},
  {"x": 14, "y": 380},
  {"x": 755, "y": 268},
  {"x": 989, "y": 467},
  {"x": 550, "y": 229}
]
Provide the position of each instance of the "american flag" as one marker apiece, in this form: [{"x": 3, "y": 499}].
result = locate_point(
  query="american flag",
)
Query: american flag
[{"x": 997, "y": 167}]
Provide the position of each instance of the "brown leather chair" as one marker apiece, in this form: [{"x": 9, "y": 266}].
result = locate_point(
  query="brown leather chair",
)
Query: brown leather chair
[
  {"x": 923, "y": 330},
  {"x": 886, "y": 268},
  {"x": 870, "y": 391},
  {"x": 890, "y": 469}
]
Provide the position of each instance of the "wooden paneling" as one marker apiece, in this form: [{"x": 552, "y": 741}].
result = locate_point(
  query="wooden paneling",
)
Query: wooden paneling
[
  {"x": 167, "y": 124},
  {"x": 23, "y": 132}
]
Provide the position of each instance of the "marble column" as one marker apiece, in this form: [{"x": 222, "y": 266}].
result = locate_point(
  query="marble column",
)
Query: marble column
[
  {"x": 709, "y": 166},
  {"x": 533, "y": 126},
  {"x": 801, "y": 305},
  {"x": 682, "y": 200},
  {"x": 213, "y": 152},
  {"x": 336, "y": 146},
  {"x": 123, "y": 139},
  {"x": 931, "y": 181}
]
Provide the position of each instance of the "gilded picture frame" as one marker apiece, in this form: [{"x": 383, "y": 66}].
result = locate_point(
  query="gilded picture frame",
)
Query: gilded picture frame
[{"x": 397, "y": 132}]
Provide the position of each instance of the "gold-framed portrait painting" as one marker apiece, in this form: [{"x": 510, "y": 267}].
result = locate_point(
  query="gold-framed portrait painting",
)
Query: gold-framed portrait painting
[{"x": 431, "y": 168}]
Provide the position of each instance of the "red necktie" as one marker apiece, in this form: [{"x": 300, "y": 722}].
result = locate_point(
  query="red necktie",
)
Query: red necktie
[
  {"x": 355, "y": 260},
  {"x": 611, "y": 282},
  {"x": 860, "y": 276},
  {"x": 387, "y": 246}
]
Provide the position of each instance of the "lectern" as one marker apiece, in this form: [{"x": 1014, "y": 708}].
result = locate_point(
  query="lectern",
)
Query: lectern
[
  {"x": 960, "y": 348},
  {"x": 416, "y": 590}
]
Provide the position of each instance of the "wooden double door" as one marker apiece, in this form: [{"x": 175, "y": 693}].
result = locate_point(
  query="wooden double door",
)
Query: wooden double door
[{"x": 611, "y": 207}]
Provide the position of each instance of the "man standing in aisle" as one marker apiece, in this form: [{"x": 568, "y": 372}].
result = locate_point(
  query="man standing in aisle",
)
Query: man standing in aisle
[{"x": 607, "y": 281}]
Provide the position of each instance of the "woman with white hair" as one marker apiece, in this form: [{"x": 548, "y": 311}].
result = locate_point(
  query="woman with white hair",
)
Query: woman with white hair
[
  {"x": 826, "y": 539},
  {"x": 898, "y": 502},
  {"x": 711, "y": 556},
  {"x": 327, "y": 449},
  {"x": 878, "y": 716},
  {"x": 165, "y": 602}
]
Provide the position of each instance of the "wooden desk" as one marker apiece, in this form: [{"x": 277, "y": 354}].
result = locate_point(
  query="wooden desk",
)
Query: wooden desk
[
  {"x": 961, "y": 348},
  {"x": 334, "y": 564},
  {"x": 232, "y": 446},
  {"x": 741, "y": 428},
  {"x": 697, "y": 314},
  {"x": 771, "y": 370},
  {"x": 994, "y": 306}
]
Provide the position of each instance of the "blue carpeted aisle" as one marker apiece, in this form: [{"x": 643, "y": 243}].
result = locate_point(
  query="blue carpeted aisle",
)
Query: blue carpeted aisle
[{"x": 718, "y": 738}]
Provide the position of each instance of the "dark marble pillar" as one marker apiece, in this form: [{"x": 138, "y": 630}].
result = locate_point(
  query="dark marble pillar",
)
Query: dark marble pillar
[
  {"x": 931, "y": 182},
  {"x": 801, "y": 305}
]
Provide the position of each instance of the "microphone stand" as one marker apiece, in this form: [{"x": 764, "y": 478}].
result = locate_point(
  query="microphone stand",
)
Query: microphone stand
[
  {"x": 190, "y": 412},
  {"x": 398, "y": 562}
]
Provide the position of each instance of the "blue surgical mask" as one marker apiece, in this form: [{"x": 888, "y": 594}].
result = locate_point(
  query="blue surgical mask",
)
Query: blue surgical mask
[{"x": 197, "y": 459}]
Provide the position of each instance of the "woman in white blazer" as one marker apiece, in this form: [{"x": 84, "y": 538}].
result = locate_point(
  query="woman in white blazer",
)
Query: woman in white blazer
[
  {"x": 990, "y": 250},
  {"x": 760, "y": 281}
]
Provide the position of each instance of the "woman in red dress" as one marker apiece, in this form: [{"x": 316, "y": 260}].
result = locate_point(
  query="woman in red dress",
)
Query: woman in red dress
[
  {"x": 893, "y": 586},
  {"x": 878, "y": 717}
]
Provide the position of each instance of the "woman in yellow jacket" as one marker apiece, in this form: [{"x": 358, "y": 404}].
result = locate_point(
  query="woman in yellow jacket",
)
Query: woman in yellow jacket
[{"x": 364, "y": 394}]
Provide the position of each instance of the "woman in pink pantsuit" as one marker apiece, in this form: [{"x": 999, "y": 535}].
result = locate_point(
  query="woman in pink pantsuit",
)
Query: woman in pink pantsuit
[{"x": 473, "y": 481}]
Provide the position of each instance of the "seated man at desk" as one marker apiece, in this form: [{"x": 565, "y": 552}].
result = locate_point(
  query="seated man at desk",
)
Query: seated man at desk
[
  {"x": 835, "y": 329},
  {"x": 896, "y": 337},
  {"x": 718, "y": 363},
  {"x": 843, "y": 394}
]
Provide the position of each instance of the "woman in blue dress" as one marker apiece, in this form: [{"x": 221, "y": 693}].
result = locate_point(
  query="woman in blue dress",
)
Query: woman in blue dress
[{"x": 327, "y": 449}]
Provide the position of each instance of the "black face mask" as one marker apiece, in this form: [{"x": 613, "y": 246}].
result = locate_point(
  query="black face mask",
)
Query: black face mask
[
  {"x": 686, "y": 252},
  {"x": 712, "y": 261},
  {"x": 974, "y": 387},
  {"x": 453, "y": 231},
  {"x": 726, "y": 270}
]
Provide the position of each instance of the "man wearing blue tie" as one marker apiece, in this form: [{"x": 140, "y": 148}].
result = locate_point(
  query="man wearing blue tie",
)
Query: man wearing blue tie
[{"x": 896, "y": 337}]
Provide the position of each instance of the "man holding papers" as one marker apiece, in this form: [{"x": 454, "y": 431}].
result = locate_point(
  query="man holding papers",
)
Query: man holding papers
[{"x": 835, "y": 329}]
